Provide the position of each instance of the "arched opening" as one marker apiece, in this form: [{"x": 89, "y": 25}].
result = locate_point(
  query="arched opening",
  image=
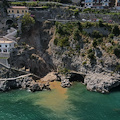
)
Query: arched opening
[
  {"x": 76, "y": 77},
  {"x": 0, "y": 50},
  {"x": 115, "y": 89},
  {"x": 5, "y": 50},
  {"x": 9, "y": 22}
]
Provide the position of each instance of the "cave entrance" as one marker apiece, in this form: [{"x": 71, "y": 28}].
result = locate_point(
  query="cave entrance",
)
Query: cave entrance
[
  {"x": 115, "y": 89},
  {"x": 77, "y": 77}
]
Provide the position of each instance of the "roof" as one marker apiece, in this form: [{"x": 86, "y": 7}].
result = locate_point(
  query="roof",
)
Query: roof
[
  {"x": 6, "y": 41},
  {"x": 18, "y": 7}
]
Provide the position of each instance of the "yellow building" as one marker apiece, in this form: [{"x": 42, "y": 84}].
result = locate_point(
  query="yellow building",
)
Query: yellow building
[{"x": 15, "y": 11}]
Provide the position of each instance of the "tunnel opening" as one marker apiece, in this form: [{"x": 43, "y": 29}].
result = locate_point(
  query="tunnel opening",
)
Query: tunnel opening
[
  {"x": 76, "y": 77},
  {"x": 9, "y": 22}
]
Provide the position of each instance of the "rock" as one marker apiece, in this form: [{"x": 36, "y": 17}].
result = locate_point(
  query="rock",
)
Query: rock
[
  {"x": 98, "y": 53},
  {"x": 24, "y": 83},
  {"x": 35, "y": 87},
  {"x": 101, "y": 82},
  {"x": 50, "y": 77},
  {"x": 65, "y": 83}
]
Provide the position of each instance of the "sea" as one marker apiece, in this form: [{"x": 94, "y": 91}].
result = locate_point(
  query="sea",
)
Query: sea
[{"x": 74, "y": 103}]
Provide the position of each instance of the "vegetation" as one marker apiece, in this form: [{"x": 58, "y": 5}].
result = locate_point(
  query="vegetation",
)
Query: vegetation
[
  {"x": 74, "y": 35},
  {"x": 27, "y": 22},
  {"x": 63, "y": 70},
  {"x": 115, "y": 30},
  {"x": 117, "y": 51}
]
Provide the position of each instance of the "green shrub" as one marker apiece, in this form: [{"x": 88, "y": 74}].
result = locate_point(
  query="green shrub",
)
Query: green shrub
[
  {"x": 117, "y": 67},
  {"x": 84, "y": 63},
  {"x": 76, "y": 35},
  {"x": 99, "y": 40},
  {"x": 94, "y": 43},
  {"x": 89, "y": 51},
  {"x": 79, "y": 26},
  {"x": 88, "y": 25},
  {"x": 27, "y": 22},
  {"x": 117, "y": 52},
  {"x": 63, "y": 70},
  {"x": 63, "y": 42},
  {"x": 100, "y": 23},
  {"x": 76, "y": 12},
  {"x": 111, "y": 35},
  {"x": 84, "y": 33},
  {"x": 115, "y": 30},
  {"x": 96, "y": 34},
  {"x": 55, "y": 41},
  {"x": 91, "y": 54},
  {"x": 45, "y": 7}
]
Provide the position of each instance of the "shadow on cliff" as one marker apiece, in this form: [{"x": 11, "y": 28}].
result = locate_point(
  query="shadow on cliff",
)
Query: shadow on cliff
[{"x": 39, "y": 61}]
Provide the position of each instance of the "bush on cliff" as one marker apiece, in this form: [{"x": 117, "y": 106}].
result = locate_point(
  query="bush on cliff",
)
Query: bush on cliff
[
  {"x": 27, "y": 22},
  {"x": 115, "y": 30},
  {"x": 117, "y": 52},
  {"x": 96, "y": 34},
  {"x": 91, "y": 54}
]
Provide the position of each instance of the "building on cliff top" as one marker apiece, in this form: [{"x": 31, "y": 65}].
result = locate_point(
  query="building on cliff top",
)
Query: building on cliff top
[
  {"x": 100, "y": 4},
  {"x": 17, "y": 11}
]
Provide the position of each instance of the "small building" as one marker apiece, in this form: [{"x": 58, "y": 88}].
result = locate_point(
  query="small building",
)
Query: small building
[
  {"x": 99, "y": 4},
  {"x": 16, "y": 11},
  {"x": 117, "y": 4},
  {"x": 88, "y": 3},
  {"x": 6, "y": 45}
]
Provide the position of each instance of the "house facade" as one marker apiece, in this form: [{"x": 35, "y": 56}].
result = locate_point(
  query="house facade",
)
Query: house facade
[
  {"x": 99, "y": 3},
  {"x": 88, "y": 3},
  {"x": 6, "y": 46},
  {"x": 17, "y": 11}
]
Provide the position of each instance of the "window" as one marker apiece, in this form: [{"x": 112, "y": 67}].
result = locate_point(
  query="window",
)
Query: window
[
  {"x": 0, "y": 50},
  {"x": 22, "y": 11},
  {"x": 0, "y": 45},
  {"x": 9, "y": 11},
  {"x": 17, "y": 11},
  {"x": 12, "y": 11},
  {"x": 26, "y": 11},
  {"x": 5, "y": 50},
  {"x": 5, "y": 45}
]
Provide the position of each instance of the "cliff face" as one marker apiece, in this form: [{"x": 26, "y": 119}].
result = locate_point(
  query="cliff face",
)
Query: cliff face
[
  {"x": 34, "y": 55},
  {"x": 84, "y": 55}
]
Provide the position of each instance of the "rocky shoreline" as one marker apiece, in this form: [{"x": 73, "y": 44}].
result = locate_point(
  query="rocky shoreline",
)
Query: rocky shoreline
[
  {"x": 98, "y": 82},
  {"x": 25, "y": 83}
]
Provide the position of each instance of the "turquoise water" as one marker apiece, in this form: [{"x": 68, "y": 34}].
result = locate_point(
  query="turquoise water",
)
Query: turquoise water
[{"x": 75, "y": 103}]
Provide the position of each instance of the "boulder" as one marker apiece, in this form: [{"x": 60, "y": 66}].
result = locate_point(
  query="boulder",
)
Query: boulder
[
  {"x": 65, "y": 83},
  {"x": 50, "y": 77}
]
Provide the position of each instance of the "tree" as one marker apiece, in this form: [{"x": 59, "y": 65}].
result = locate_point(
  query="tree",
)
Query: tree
[
  {"x": 27, "y": 22},
  {"x": 100, "y": 23},
  {"x": 115, "y": 30},
  {"x": 79, "y": 26}
]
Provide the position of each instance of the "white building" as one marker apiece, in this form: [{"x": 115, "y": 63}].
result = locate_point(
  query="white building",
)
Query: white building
[
  {"x": 88, "y": 3},
  {"x": 6, "y": 46},
  {"x": 105, "y": 3}
]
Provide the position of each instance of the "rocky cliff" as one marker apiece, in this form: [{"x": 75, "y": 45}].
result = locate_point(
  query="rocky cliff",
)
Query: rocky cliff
[{"x": 90, "y": 52}]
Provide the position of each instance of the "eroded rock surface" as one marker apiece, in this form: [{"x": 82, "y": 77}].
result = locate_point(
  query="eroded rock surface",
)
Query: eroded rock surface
[{"x": 101, "y": 82}]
